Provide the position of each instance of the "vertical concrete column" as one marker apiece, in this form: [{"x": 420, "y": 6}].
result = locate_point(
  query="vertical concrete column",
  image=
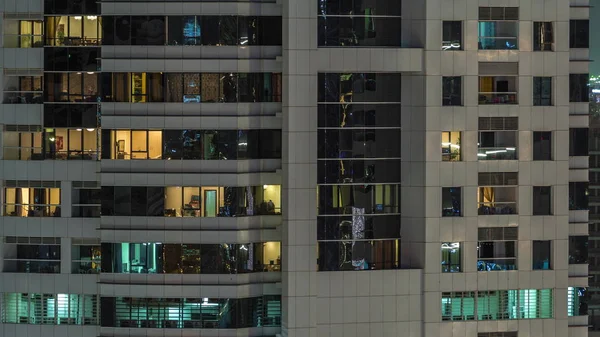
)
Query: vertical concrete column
[
  {"x": 65, "y": 255},
  {"x": 299, "y": 169},
  {"x": 65, "y": 199}
]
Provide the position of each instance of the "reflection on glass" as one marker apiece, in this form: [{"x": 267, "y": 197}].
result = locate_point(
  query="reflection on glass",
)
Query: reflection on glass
[
  {"x": 358, "y": 255},
  {"x": 50, "y": 309},
  {"x": 451, "y": 259}
]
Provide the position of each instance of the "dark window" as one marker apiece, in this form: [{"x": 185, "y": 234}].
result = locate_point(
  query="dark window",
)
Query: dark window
[
  {"x": 122, "y": 30},
  {"x": 358, "y": 255},
  {"x": 543, "y": 36},
  {"x": 359, "y": 87},
  {"x": 71, "y": 7},
  {"x": 542, "y": 200},
  {"x": 122, "y": 199},
  {"x": 108, "y": 200},
  {"x": 210, "y": 30},
  {"x": 578, "y": 142},
  {"x": 578, "y": 249},
  {"x": 452, "y": 35},
  {"x": 542, "y": 145},
  {"x": 72, "y": 59},
  {"x": 228, "y": 30},
  {"x": 579, "y": 34},
  {"x": 578, "y": 195},
  {"x": 542, "y": 91},
  {"x": 496, "y": 255},
  {"x": 542, "y": 255},
  {"x": 451, "y": 90},
  {"x": 147, "y": 30},
  {"x": 578, "y": 88},
  {"x": 451, "y": 201},
  {"x": 359, "y": 31}
]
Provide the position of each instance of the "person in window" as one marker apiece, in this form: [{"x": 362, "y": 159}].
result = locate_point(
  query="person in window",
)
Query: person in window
[{"x": 270, "y": 207}]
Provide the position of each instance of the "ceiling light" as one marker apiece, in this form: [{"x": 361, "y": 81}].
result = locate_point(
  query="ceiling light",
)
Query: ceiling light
[{"x": 77, "y": 17}]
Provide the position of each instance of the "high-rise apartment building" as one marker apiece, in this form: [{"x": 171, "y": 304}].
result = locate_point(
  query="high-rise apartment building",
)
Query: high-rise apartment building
[{"x": 294, "y": 167}]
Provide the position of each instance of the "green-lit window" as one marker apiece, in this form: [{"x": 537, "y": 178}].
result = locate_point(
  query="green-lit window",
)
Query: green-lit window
[
  {"x": 458, "y": 306},
  {"x": 52, "y": 309},
  {"x": 577, "y": 301},
  {"x": 497, "y": 305},
  {"x": 534, "y": 303}
]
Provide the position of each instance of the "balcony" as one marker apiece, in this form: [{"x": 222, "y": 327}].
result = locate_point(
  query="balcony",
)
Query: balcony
[{"x": 498, "y": 90}]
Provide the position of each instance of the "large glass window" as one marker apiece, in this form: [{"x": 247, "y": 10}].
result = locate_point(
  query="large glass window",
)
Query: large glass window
[
  {"x": 498, "y": 28},
  {"x": 498, "y": 90},
  {"x": 23, "y": 34},
  {"x": 54, "y": 309},
  {"x": 451, "y": 257},
  {"x": 86, "y": 202},
  {"x": 354, "y": 23},
  {"x": 498, "y": 138},
  {"x": 191, "y": 313},
  {"x": 82, "y": 30},
  {"x": 497, "y": 248},
  {"x": 358, "y": 254},
  {"x": 74, "y": 87},
  {"x": 364, "y": 199},
  {"x": 158, "y": 258},
  {"x": 579, "y": 141},
  {"x": 497, "y": 200},
  {"x": 22, "y": 145},
  {"x": 32, "y": 255},
  {"x": 136, "y": 144},
  {"x": 32, "y": 202},
  {"x": 498, "y": 305},
  {"x": 23, "y": 89},
  {"x": 79, "y": 143},
  {"x": 178, "y": 201}
]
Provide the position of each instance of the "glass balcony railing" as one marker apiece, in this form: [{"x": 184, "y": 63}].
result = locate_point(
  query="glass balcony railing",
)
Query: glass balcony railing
[
  {"x": 498, "y": 43},
  {"x": 497, "y": 264},
  {"x": 497, "y": 98},
  {"x": 23, "y": 41},
  {"x": 23, "y": 153},
  {"x": 497, "y": 208},
  {"x": 497, "y": 153},
  {"x": 23, "y": 97},
  {"x": 31, "y": 211}
]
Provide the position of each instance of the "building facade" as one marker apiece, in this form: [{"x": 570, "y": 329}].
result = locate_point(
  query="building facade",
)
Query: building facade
[{"x": 295, "y": 168}]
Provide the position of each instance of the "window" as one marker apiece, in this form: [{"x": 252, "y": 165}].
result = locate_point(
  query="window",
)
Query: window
[
  {"x": 346, "y": 199},
  {"x": 158, "y": 258},
  {"x": 71, "y": 144},
  {"x": 354, "y": 25},
  {"x": 452, "y": 89},
  {"x": 23, "y": 34},
  {"x": 458, "y": 306},
  {"x": 498, "y": 305},
  {"x": 451, "y": 259},
  {"x": 451, "y": 146},
  {"x": 542, "y": 255},
  {"x": 22, "y": 145},
  {"x": 86, "y": 256},
  {"x": 32, "y": 202},
  {"x": 542, "y": 200},
  {"x": 452, "y": 35},
  {"x": 497, "y": 193},
  {"x": 579, "y": 34},
  {"x": 358, "y": 254},
  {"x": 578, "y": 141},
  {"x": 23, "y": 89},
  {"x": 542, "y": 145},
  {"x": 498, "y": 90},
  {"x": 191, "y": 313},
  {"x": 205, "y": 201},
  {"x": 73, "y": 30},
  {"x": 451, "y": 201},
  {"x": 32, "y": 255},
  {"x": 578, "y": 196},
  {"x": 578, "y": 88},
  {"x": 543, "y": 36},
  {"x": 86, "y": 202},
  {"x": 578, "y": 249},
  {"x": 577, "y": 301},
  {"x": 498, "y": 138},
  {"x": 498, "y": 28},
  {"x": 136, "y": 144},
  {"x": 542, "y": 91},
  {"x": 497, "y": 249},
  {"x": 54, "y": 309},
  {"x": 76, "y": 87}
]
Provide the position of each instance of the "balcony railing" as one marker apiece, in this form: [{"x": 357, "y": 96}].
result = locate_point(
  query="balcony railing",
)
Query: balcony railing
[
  {"x": 23, "y": 41},
  {"x": 23, "y": 97},
  {"x": 497, "y": 208},
  {"x": 498, "y": 43},
  {"x": 498, "y": 98},
  {"x": 497, "y": 153}
]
